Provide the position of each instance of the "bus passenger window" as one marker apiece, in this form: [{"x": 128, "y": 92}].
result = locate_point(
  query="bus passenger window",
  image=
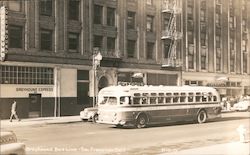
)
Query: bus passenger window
[
  {"x": 204, "y": 98},
  {"x": 152, "y": 100},
  {"x": 168, "y": 99},
  {"x": 144, "y": 100},
  {"x": 125, "y": 100},
  {"x": 176, "y": 99},
  {"x": 160, "y": 100},
  {"x": 190, "y": 98},
  {"x": 182, "y": 98},
  {"x": 197, "y": 98},
  {"x": 210, "y": 98},
  {"x": 215, "y": 98},
  {"x": 136, "y": 100}
]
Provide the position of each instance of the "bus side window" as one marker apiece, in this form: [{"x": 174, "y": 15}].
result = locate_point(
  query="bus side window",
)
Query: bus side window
[
  {"x": 136, "y": 100},
  {"x": 183, "y": 97},
  {"x": 160, "y": 100},
  {"x": 144, "y": 100},
  {"x": 168, "y": 100},
  {"x": 210, "y": 98},
  {"x": 190, "y": 97},
  {"x": 204, "y": 98},
  {"x": 198, "y": 97},
  {"x": 152, "y": 100},
  {"x": 215, "y": 98},
  {"x": 176, "y": 99}
]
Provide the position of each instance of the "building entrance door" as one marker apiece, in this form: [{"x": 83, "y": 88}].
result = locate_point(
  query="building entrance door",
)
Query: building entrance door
[{"x": 35, "y": 105}]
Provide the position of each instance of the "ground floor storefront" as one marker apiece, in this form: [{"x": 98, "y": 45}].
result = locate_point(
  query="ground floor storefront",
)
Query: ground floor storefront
[
  {"x": 45, "y": 90},
  {"x": 227, "y": 85}
]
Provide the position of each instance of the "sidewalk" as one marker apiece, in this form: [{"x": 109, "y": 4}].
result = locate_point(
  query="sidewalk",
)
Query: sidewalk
[
  {"x": 233, "y": 148},
  {"x": 39, "y": 121}
]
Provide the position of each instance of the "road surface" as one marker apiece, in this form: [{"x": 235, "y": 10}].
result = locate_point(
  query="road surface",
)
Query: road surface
[{"x": 93, "y": 139}]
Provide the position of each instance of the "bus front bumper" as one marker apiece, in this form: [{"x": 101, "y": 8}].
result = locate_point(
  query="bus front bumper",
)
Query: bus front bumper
[{"x": 113, "y": 122}]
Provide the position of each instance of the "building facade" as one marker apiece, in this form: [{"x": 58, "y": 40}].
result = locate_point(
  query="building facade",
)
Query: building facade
[{"x": 48, "y": 65}]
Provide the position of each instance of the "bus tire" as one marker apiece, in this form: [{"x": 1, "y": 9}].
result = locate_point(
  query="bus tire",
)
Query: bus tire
[
  {"x": 95, "y": 118},
  {"x": 119, "y": 125},
  {"x": 202, "y": 117},
  {"x": 141, "y": 121}
]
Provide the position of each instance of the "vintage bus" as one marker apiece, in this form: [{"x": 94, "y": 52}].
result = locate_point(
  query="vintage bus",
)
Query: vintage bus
[{"x": 144, "y": 105}]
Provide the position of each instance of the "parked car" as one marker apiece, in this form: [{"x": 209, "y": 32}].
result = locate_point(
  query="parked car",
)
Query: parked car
[
  {"x": 9, "y": 144},
  {"x": 243, "y": 105},
  {"x": 89, "y": 114}
]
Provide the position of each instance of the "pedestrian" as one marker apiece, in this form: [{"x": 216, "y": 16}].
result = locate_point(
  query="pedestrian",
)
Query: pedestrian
[{"x": 13, "y": 112}]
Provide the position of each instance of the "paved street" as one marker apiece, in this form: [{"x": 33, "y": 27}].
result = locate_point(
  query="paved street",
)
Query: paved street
[{"x": 88, "y": 138}]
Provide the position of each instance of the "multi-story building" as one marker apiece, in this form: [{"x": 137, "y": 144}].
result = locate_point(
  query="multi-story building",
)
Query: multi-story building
[{"x": 48, "y": 65}]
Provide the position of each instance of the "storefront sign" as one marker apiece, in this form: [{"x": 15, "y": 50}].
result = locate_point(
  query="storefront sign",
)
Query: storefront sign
[{"x": 34, "y": 89}]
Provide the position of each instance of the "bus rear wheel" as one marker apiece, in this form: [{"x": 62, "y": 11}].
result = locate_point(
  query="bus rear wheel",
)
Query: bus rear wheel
[
  {"x": 202, "y": 116},
  {"x": 141, "y": 121}
]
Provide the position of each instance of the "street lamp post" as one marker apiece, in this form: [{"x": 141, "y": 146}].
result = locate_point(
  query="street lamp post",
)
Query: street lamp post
[{"x": 97, "y": 57}]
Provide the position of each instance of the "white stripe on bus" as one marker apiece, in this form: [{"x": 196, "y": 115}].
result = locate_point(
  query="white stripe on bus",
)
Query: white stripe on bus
[{"x": 151, "y": 108}]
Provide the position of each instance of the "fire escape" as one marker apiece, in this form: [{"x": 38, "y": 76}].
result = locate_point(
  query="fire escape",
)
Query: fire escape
[{"x": 170, "y": 35}]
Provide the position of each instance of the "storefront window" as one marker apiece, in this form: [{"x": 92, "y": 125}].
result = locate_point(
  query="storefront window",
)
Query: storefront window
[{"x": 26, "y": 75}]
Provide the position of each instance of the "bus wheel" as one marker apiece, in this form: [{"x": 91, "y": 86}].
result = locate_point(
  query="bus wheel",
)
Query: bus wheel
[
  {"x": 202, "y": 116},
  {"x": 141, "y": 121},
  {"x": 95, "y": 118},
  {"x": 119, "y": 126}
]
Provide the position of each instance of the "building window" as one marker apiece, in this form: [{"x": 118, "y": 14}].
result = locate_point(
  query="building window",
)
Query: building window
[
  {"x": 190, "y": 37},
  {"x": 46, "y": 7},
  {"x": 203, "y": 39},
  {"x": 150, "y": 23},
  {"x": 111, "y": 45},
  {"x": 110, "y": 16},
  {"x": 203, "y": 4},
  {"x": 15, "y": 5},
  {"x": 98, "y": 12},
  {"x": 218, "y": 19},
  {"x": 26, "y": 75},
  {"x": 131, "y": 48},
  {"x": 190, "y": 11},
  {"x": 203, "y": 62},
  {"x": 203, "y": 35},
  {"x": 245, "y": 62},
  {"x": 46, "y": 40},
  {"x": 218, "y": 41},
  {"x": 150, "y": 50},
  {"x": 231, "y": 22},
  {"x": 166, "y": 22},
  {"x": 190, "y": 25},
  {"x": 244, "y": 45},
  {"x": 131, "y": 20},
  {"x": 232, "y": 43},
  {"x": 167, "y": 49},
  {"x": 218, "y": 59},
  {"x": 149, "y": 2},
  {"x": 73, "y": 42},
  {"x": 203, "y": 15},
  {"x": 244, "y": 25},
  {"x": 232, "y": 64},
  {"x": 15, "y": 36},
  {"x": 98, "y": 40},
  {"x": 73, "y": 9},
  {"x": 191, "y": 61}
]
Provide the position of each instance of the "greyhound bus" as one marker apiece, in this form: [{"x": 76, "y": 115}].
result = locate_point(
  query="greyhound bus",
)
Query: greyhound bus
[{"x": 144, "y": 105}]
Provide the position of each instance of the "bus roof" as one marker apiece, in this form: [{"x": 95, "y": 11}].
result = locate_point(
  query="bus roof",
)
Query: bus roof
[{"x": 131, "y": 89}]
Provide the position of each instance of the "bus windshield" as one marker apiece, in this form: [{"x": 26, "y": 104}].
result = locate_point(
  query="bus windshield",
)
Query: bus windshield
[{"x": 108, "y": 101}]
